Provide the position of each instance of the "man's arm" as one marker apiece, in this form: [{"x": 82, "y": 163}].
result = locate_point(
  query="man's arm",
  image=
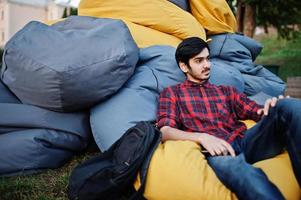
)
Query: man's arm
[
  {"x": 248, "y": 109},
  {"x": 168, "y": 120},
  {"x": 212, "y": 144},
  {"x": 244, "y": 107}
]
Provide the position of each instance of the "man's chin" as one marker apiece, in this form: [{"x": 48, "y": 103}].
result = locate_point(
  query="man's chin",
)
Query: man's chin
[{"x": 206, "y": 78}]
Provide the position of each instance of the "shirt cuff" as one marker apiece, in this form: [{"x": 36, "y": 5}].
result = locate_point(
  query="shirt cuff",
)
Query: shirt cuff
[{"x": 167, "y": 122}]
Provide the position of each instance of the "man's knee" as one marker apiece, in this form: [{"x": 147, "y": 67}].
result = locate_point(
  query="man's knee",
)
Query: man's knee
[
  {"x": 226, "y": 163},
  {"x": 288, "y": 108},
  {"x": 242, "y": 178},
  {"x": 289, "y": 104}
]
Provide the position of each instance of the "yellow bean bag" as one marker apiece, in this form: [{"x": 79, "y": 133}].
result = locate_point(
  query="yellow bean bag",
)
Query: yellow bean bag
[
  {"x": 160, "y": 22},
  {"x": 179, "y": 171},
  {"x": 160, "y": 15},
  {"x": 145, "y": 37},
  {"x": 50, "y": 22},
  {"x": 139, "y": 32},
  {"x": 214, "y": 15}
]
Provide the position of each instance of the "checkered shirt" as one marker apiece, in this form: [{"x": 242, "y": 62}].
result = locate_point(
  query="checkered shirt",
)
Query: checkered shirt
[{"x": 206, "y": 108}]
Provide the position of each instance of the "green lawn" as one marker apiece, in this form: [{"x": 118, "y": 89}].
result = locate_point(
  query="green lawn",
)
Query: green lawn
[
  {"x": 49, "y": 185},
  {"x": 52, "y": 184},
  {"x": 286, "y": 54}
]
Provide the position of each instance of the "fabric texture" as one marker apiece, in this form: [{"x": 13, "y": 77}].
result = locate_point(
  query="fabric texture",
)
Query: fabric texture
[
  {"x": 184, "y": 4},
  {"x": 138, "y": 99},
  {"x": 206, "y": 108},
  {"x": 34, "y": 139},
  {"x": 235, "y": 54},
  {"x": 70, "y": 65},
  {"x": 181, "y": 165},
  {"x": 139, "y": 33},
  {"x": 146, "y": 37},
  {"x": 221, "y": 74},
  {"x": 215, "y": 16},
  {"x": 7, "y": 96},
  {"x": 161, "y": 15}
]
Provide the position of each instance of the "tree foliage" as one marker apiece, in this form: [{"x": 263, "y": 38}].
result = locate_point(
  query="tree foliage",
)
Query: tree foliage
[{"x": 284, "y": 15}]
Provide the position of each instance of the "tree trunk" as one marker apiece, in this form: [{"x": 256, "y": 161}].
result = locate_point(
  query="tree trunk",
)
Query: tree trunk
[
  {"x": 249, "y": 20},
  {"x": 240, "y": 16}
]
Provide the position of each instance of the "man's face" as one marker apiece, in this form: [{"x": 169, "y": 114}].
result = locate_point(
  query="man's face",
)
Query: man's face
[{"x": 199, "y": 67}]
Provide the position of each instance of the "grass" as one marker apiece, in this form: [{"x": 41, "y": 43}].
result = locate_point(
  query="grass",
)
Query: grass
[
  {"x": 52, "y": 184},
  {"x": 49, "y": 185},
  {"x": 285, "y": 54}
]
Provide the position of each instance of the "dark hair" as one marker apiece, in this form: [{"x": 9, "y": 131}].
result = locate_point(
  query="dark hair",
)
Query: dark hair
[{"x": 189, "y": 48}]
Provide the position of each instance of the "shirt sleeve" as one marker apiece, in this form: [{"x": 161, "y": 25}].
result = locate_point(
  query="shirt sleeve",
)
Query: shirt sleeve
[
  {"x": 168, "y": 114},
  {"x": 244, "y": 107}
]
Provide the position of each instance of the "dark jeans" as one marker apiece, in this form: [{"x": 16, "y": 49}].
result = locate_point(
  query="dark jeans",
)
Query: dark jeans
[{"x": 280, "y": 130}]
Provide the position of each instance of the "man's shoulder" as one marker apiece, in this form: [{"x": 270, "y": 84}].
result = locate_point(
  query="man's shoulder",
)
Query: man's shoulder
[
  {"x": 172, "y": 90},
  {"x": 174, "y": 87}
]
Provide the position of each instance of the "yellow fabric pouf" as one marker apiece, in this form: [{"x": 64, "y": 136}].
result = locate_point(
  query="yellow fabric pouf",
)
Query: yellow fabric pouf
[
  {"x": 145, "y": 37},
  {"x": 214, "y": 15},
  {"x": 179, "y": 171},
  {"x": 159, "y": 15},
  {"x": 139, "y": 32},
  {"x": 280, "y": 172}
]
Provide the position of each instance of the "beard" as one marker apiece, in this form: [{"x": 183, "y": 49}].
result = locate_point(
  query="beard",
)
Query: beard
[{"x": 199, "y": 77}]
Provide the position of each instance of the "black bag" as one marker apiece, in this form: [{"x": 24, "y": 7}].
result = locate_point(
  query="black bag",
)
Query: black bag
[{"x": 111, "y": 175}]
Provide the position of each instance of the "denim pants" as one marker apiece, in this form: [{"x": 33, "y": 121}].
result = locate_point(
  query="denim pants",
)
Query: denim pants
[{"x": 280, "y": 130}]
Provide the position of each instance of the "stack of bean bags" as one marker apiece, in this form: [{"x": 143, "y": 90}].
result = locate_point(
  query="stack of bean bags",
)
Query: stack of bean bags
[
  {"x": 33, "y": 139},
  {"x": 56, "y": 73}
]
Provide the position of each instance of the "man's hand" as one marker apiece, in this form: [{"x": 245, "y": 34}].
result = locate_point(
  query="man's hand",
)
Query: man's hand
[
  {"x": 215, "y": 146},
  {"x": 268, "y": 104},
  {"x": 212, "y": 144}
]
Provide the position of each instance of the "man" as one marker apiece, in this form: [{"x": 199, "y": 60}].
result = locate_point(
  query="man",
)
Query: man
[{"x": 198, "y": 111}]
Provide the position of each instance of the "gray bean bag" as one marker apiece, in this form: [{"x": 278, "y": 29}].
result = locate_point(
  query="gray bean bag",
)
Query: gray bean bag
[
  {"x": 6, "y": 96},
  {"x": 221, "y": 75},
  {"x": 236, "y": 54},
  {"x": 138, "y": 99},
  {"x": 70, "y": 65},
  {"x": 33, "y": 139}
]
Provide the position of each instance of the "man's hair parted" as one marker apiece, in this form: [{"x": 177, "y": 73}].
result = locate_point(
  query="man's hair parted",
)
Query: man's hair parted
[{"x": 189, "y": 48}]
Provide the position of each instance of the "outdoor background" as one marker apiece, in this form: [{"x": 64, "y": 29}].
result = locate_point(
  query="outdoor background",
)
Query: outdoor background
[{"x": 274, "y": 23}]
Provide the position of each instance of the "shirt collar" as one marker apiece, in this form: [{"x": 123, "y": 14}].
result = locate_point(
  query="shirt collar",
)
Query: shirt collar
[{"x": 189, "y": 83}]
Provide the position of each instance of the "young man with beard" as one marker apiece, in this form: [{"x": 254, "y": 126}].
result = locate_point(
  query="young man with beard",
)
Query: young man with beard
[{"x": 199, "y": 111}]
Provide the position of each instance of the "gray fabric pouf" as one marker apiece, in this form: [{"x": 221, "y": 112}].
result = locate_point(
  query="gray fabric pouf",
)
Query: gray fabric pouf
[
  {"x": 138, "y": 99},
  {"x": 70, "y": 65},
  {"x": 34, "y": 139}
]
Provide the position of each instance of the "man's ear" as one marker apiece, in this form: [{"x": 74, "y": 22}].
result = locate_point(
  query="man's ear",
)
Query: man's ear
[{"x": 183, "y": 67}]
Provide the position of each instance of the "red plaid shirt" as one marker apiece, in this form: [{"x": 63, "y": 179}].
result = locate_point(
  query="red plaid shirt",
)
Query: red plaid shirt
[{"x": 206, "y": 108}]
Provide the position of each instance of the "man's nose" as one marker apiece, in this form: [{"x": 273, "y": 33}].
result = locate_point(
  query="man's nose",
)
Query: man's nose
[{"x": 207, "y": 64}]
